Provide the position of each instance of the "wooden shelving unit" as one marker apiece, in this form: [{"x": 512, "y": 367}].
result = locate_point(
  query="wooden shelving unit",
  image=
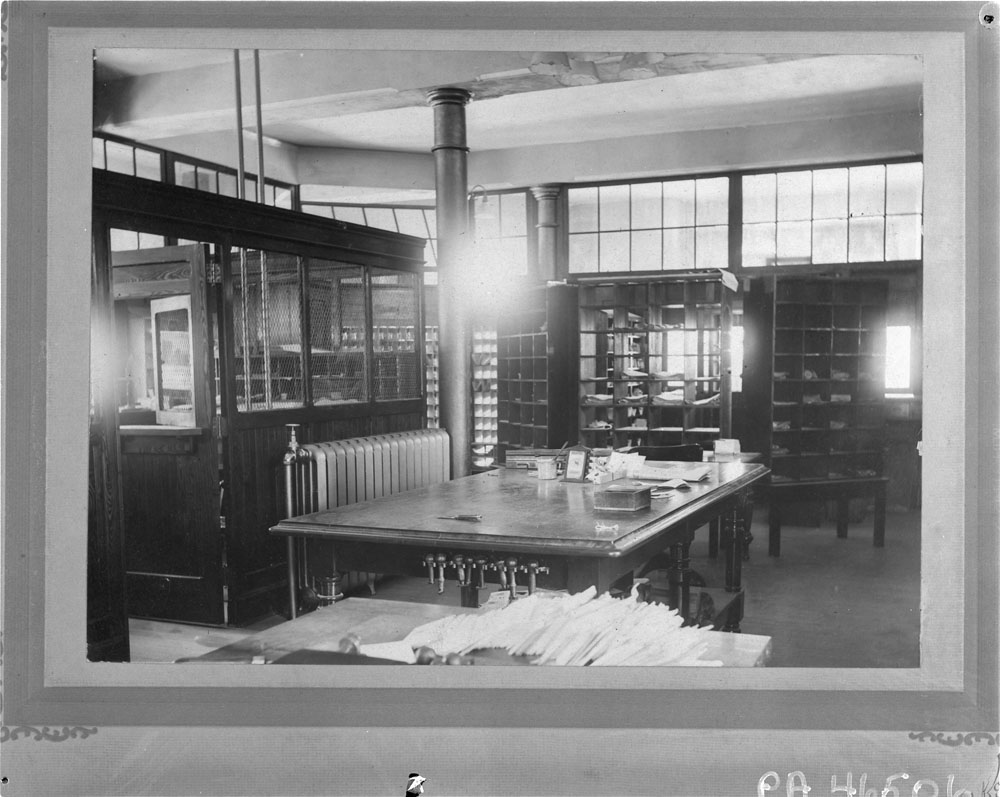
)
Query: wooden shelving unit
[
  {"x": 827, "y": 394},
  {"x": 536, "y": 350},
  {"x": 822, "y": 409},
  {"x": 654, "y": 361}
]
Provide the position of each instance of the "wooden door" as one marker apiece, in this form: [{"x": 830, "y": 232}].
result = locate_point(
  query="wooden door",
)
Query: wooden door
[{"x": 169, "y": 455}]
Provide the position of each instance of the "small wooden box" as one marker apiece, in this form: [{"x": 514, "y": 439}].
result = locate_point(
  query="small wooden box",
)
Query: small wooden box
[{"x": 622, "y": 498}]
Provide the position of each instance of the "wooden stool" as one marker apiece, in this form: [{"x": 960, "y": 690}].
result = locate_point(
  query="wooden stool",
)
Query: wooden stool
[{"x": 839, "y": 490}]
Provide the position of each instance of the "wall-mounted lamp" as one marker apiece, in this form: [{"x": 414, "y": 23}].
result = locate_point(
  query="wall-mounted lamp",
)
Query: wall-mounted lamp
[{"x": 481, "y": 208}]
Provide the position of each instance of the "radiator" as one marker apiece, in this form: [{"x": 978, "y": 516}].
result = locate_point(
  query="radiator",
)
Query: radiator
[{"x": 320, "y": 476}]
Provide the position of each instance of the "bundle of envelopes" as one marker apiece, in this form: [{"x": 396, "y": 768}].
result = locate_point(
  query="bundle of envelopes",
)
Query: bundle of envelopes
[{"x": 584, "y": 629}]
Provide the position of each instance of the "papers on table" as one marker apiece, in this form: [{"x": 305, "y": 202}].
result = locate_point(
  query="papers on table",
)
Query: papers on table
[{"x": 667, "y": 471}]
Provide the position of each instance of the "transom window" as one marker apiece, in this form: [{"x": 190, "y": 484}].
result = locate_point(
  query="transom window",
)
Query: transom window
[
  {"x": 649, "y": 226},
  {"x": 856, "y": 214}
]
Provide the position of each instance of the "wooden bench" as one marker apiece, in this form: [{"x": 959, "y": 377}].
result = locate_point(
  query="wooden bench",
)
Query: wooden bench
[{"x": 839, "y": 490}]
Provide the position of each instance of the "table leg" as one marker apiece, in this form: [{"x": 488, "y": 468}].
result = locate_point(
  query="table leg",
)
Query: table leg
[
  {"x": 843, "y": 505},
  {"x": 293, "y": 586},
  {"x": 880, "y": 516},
  {"x": 734, "y": 564},
  {"x": 773, "y": 528}
]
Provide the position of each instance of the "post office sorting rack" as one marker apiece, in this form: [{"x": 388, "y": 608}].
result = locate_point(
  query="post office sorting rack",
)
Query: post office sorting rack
[
  {"x": 654, "y": 361},
  {"x": 536, "y": 380},
  {"x": 825, "y": 410}
]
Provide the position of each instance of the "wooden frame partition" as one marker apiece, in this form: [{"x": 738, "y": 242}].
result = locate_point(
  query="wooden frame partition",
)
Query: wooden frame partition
[
  {"x": 72, "y": 727},
  {"x": 253, "y": 442}
]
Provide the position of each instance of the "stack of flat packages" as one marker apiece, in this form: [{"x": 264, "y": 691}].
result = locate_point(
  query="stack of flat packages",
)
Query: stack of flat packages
[
  {"x": 527, "y": 458},
  {"x": 582, "y": 630}
]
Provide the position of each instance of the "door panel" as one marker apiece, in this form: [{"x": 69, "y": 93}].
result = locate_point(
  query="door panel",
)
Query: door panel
[{"x": 170, "y": 460}]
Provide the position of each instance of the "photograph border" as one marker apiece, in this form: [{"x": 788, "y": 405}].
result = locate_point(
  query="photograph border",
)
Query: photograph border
[{"x": 46, "y": 683}]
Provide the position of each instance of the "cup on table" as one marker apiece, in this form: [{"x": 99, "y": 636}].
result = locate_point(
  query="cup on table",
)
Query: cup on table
[{"x": 546, "y": 467}]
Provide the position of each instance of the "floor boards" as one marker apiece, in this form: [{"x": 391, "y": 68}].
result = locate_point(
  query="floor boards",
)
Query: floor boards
[{"x": 826, "y": 601}]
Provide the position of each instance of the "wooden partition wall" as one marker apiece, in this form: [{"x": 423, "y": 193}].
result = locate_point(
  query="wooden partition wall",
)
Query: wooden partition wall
[{"x": 243, "y": 568}]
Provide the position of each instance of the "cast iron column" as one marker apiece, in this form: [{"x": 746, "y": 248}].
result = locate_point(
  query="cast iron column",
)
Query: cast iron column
[
  {"x": 547, "y": 197},
  {"x": 454, "y": 322}
]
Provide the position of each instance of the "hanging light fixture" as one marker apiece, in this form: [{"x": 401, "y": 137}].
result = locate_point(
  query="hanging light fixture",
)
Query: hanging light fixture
[
  {"x": 549, "y": 63},
  {"x": 582, "y": 73},
  {"x": 639, "y": 66}
]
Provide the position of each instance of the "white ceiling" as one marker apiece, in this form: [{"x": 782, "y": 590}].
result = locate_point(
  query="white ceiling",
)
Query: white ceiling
[{"x": 362, "y": 100}]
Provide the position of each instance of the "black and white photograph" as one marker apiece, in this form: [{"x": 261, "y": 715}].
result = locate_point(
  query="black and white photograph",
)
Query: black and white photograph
[{"x": 481, "y": 398}]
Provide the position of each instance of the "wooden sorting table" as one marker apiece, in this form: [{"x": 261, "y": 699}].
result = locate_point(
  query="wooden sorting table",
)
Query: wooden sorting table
[
  {"x": 314, "y": 638},
  {"x": 551, "y": 523}
]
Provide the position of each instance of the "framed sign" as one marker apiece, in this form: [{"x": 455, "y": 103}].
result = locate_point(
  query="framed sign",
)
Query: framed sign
[{"x": 577, "y": 464}]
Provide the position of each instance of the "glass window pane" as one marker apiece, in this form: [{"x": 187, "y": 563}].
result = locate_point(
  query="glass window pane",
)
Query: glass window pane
[
  {"x": 124, "y": 240},
  {"x": 830, "y": 194},
  {"x": 678, "y": 248},
  {"x": 794, "y": 196},
  {"x": 250, "y": 188},
  {"x": 758, "y": 245},
  {"x": 513, "y": 214},
  {"x": 266, "y": 305},
  {"x": 582, "y": 209},
  {"x": 647, "y": 206},
  {"x": 614, "y": 204},
  {"x": 430, "y": 278},
  {"x": 867, "y": 190},
  {"x": 268, "y": 194},
  {"x": 830, "y": 241},
  {"x": 120, "y": 158},
  {"x": 338, "y": 332},
  {"x": 149, "y": 241},
  {"x": 712, "y": 247},
  {"x": 206, "y": 179},
  {"x": 902, "y": 237},
  {"x": 678, "y": 203},
  {"x": 759, "y": 197},
  {"x": 614, "y": 251},
  {"x": 513, "y": 253},
  {"x": 184, "y": 174},
  {"x": 712, "y": 197},
  {"x": 486, "y": 221},
  {"x": 97, "y": 145},
  {"x": 382, "y": 218},
  {"x": 318, "y": 210},
  {"x": 396, "y": 369},
  {"x": 282, "y": 197},
  {"x": 647, "y": 250},
  {"x": 411, "y": 221},
  {"x": 794, "y": 242},
  {"x": 227, "y": 184},
  {"x": 865, "y": 240},
  {"x": 583, "y": 253},
  {"x": 904, "y": 187},
  {"x": 147, "y": 165},
  {"x": 349, "y": 214},
  {"x": 897, "y": 358}
]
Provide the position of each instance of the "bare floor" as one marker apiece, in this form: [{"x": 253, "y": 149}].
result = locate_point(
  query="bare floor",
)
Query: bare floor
[{"x": 826, "y": 601}]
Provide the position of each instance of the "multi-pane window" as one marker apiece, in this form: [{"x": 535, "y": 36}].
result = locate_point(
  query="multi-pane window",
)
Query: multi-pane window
[
  {"x": 857, "y": 214},
  {"x": 500, "y": 240},
  {"x": 360, "y": 332},
  {"x": 151, "y": 163},
  {"x": 649, "y": 226},
  {"x": 420, "y": 222}
]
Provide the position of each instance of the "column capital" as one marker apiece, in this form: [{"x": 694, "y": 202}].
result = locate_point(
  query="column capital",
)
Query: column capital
[
  {"x": 543, "y": 192},
  {"x": 448, "y": 95}
]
